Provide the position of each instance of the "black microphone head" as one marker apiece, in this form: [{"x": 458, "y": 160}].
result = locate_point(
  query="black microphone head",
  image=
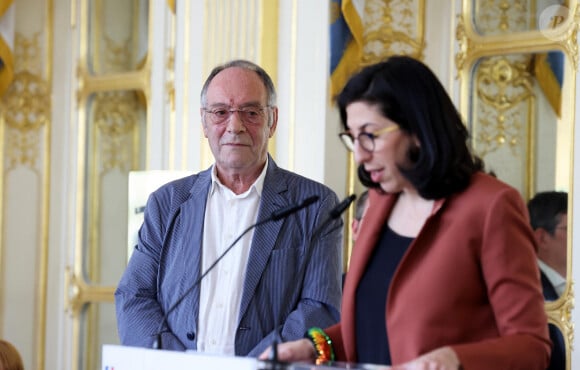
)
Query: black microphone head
[
  {"x": 286, "y": 211},
  {"x": 342, "y": 206},
  {"x": 308, "y": 201}
]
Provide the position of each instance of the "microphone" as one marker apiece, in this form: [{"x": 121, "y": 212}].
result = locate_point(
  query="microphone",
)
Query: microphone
[
  {"x": 284, "y": 212},
  {"x": 342, "y": 206},
  {"x": 274, "y": 216},
  {"x": 332, "y": 215}
]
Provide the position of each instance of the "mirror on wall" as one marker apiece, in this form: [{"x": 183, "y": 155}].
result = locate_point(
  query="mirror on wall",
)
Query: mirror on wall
[
  {"x": 518, "y": 63},
  {"x": 499, "y": 17},
  {"x": 118, "y": 35},
  {"x": 516, "y": 120},
  {"x": 115, "y": 142},
  {"x": 520, "y": 124}
]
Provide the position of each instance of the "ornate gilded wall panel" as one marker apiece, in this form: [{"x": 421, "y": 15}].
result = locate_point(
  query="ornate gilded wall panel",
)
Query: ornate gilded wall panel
[
  {"x": 503, "y": 117},
  {"x": 114, "y": 87},
  {"x": 393, "y": 27},
  {"x": 364, "y": 33},
  {"x": 518, "y": 64},
  {"x": 114, "y": 146},
  {"x": 495, "y": 17},
  {"x": 25, "y": 129},
  {"x": 118, "y": 36}
]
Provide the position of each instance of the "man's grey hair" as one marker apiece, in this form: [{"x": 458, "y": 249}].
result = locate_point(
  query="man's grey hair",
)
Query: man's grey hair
[{"x": 245, "y": 64}]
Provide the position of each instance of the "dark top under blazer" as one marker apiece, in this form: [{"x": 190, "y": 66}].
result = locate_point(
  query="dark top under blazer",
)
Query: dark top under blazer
[{"x": 166, "y": 262}]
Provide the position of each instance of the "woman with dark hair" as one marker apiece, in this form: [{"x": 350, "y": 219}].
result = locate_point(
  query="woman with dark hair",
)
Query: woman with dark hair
[{"x": 443, "y": 274}]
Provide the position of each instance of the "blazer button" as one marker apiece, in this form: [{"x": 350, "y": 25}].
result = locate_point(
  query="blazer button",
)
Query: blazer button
[{"x": 191, "y": 335}]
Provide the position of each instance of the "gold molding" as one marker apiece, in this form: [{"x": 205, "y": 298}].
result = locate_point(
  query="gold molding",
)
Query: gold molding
[
  {"x": 26, "y": 129},
  {"x": 472, "y": 48},
  {"x": 110, "y": 109},
  {"x": 170, "y": 83},
  {"x": 78, "y": 293},
  {"x": 503, "y": 113},
  {"x": 571, "y": 39},
  {"x": 387, "y": 30},
  {"x": 186, "y": 121},
  {"x": 115, "y": 115},
  {"x": 560, "y": 314},
  {"x": 292, "y": 93},
  {"x": 27, "y": 114},
  {"x": 170, "y": 98},
  {"x": 268, "y": 36},
  {"x": 351, "y": 168}
]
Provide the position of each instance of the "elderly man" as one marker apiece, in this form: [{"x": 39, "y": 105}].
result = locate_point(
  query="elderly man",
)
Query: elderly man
[{"x": 257, "y": 292}]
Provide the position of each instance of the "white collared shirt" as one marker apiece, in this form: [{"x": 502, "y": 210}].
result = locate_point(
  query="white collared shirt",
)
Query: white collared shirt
[
  {"x": 557, "y": 280},
  {"x": 227, "y": 215}
]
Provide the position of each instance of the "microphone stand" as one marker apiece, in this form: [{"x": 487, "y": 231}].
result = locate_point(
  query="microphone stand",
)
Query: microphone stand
[
  {"x": 273, "y": 363},
  {"x": 275, "y": 216},
  {"x": 157, "y": 344}
]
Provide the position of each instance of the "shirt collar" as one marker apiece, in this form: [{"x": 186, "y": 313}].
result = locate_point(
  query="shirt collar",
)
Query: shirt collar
[
  {"x": 257, "y": 186},
  {"x": 557, "y": 280}
]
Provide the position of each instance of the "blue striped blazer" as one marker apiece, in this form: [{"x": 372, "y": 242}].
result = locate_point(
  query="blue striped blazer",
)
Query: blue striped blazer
[{"x": 166, "y": 263}]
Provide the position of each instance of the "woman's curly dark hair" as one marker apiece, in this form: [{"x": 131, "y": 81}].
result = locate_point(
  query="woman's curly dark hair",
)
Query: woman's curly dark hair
[{"x": 407, "y": 92}]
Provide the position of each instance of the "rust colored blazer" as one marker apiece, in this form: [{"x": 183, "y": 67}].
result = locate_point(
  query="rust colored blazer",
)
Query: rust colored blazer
[{"x": 469, "y": 280}]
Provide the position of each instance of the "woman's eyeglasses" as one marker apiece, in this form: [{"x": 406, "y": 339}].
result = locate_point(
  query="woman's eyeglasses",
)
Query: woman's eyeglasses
[{"x": 366, "y": 140}]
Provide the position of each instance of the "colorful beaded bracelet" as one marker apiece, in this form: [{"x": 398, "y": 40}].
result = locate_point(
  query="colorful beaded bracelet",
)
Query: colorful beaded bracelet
[{"x": 322, "y": 345}]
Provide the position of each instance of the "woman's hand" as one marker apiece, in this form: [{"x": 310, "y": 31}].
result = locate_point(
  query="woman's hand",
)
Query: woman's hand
[
  {"x": 298, "y": 350},
  {"x": 440, "y": 359}
]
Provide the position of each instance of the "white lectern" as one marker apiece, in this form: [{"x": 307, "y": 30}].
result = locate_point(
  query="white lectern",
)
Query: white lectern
[{"x": 133, "y": 358}]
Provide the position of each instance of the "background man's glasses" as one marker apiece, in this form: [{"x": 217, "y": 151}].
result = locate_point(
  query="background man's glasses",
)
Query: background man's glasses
[
  {"x": 250, "y": 115},
  {"x": 366, "y": 140}
]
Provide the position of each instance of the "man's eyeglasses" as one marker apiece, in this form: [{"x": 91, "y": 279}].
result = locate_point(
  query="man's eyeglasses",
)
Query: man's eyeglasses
[
  {"x": 366, "y": 140},
  {"x": 250, "y": 115}
]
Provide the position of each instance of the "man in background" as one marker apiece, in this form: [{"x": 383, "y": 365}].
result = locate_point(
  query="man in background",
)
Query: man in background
[{"x": 549, "y": 219}]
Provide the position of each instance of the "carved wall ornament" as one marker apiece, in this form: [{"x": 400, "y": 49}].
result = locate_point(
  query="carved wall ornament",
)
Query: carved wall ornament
[
  {"x": 117, "y": 54},
  {"x": 26, "y": 106},
  {"x": 464, "y": 43},
  {"x": 393, "y": 27},
  {"x": 504, "y": 87},
  {"x": 571, "y": 39},
  {"x": 116, "y": 118},
  {"x": 496, "y": 17}
]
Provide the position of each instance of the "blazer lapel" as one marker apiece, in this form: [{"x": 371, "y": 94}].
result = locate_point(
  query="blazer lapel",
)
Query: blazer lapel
[
  {"x": 192, "y": 237},
  {"x": 265, "y": 236}
]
